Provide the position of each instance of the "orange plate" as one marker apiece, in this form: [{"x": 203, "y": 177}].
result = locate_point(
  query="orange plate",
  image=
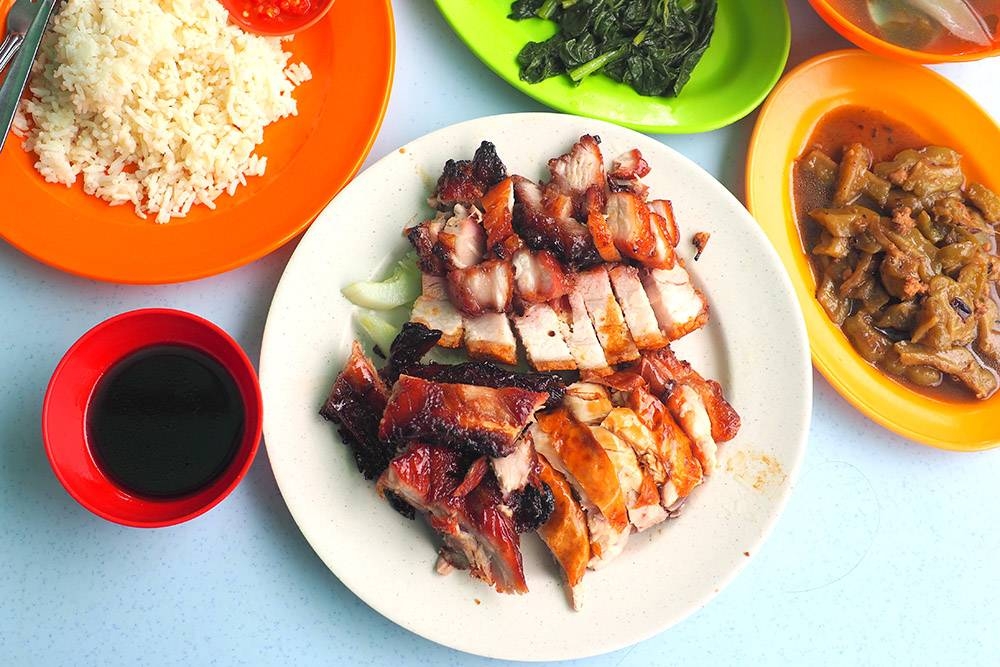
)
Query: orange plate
[
  {"x": 310, "y": 157},
  {"x": 870, "y": 42},
  {"x": 942, "y": 114}
]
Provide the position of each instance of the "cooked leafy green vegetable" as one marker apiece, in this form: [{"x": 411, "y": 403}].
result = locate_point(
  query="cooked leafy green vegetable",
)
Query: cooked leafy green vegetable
[
  {"x": 651, "y": 45},
  {"x": 401, "y": 287}
]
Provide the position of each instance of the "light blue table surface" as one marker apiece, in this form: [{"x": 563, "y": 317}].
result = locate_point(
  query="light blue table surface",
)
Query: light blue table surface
[{"x": 889, "y": 552}]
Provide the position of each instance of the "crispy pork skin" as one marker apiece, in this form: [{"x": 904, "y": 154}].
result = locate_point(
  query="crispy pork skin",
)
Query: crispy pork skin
[
  {"x": 489, "y": 337},
  {"x": 680, "y": 308},
  {"x": 477, "y": 419},
  {"x": 635, "y": 306},
  {"x": 484, "y": 288},
  {"x": 594, "y": 287},
  {"x": 565, "y": 532},
  {"x": 355, "y": 404},
  {"x": 540, "y": 333},
  {"x": 434, "y": 310}
]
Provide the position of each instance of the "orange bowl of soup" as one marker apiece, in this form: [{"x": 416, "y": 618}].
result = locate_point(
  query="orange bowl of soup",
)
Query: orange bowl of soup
[{"x": 921, "y": 31}]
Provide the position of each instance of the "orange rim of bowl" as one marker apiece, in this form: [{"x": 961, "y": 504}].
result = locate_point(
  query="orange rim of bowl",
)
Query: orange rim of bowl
[
  {"x": 941, "y": 113},
  {"x": 869, "y": 42},
  {"x": 310, "y": 158}
]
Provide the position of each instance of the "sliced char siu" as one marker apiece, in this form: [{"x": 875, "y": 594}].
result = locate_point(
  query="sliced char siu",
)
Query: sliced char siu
[
  {"x": 484, "y": 288},
  {"x": 461, "y": 243},
  {"x": 423, "y": 238},
  {"x": 638, "y": 233},
  {"x": 577, "y": 171},
  {"x": 466, "y": 181},
  {"x": 463, "y": 504},
  {"x": 539, "y": 277},
  {"x": 355, "y": 404},
  {"x": 482, "y": 420},
  {"x": 565, "y": 238},
  {"x": 498, "y": 216}
]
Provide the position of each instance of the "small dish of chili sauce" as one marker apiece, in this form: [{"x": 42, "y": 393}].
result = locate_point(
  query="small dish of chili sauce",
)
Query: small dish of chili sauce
[{"x": 276, "y": 17}]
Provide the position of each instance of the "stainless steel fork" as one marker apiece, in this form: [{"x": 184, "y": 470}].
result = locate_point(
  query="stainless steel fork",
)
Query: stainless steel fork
[{"x": 18, "y": 20}]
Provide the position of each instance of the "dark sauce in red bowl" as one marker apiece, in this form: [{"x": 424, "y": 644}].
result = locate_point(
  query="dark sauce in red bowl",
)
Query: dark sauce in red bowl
[{"x": 165, "y": 421}]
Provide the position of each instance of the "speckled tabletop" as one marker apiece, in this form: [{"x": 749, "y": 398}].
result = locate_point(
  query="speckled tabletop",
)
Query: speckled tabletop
[{"x": 886, "y": 554}]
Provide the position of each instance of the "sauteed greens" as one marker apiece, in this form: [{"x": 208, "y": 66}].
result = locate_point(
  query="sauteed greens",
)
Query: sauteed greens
[{"x": 651, "y": 45}]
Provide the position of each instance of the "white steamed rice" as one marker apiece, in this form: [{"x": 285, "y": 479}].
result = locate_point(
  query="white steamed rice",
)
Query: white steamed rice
[{"x": 156, "y": 103}]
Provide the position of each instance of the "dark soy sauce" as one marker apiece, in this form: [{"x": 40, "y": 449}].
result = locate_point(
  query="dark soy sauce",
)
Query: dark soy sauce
[{"x": 165, "y": 421}]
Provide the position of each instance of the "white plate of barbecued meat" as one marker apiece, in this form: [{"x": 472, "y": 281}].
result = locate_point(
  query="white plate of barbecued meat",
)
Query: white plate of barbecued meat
[{"x": 581, "y": 431}]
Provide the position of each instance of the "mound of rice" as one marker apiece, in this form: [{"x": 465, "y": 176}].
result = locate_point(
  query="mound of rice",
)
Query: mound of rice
[{"x": 157, "y": 103}]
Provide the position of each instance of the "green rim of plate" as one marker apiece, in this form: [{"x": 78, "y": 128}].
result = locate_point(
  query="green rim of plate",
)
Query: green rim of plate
[{"x": 743, "y": 63}]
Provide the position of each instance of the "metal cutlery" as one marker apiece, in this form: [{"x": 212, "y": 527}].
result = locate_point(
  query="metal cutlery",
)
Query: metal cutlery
[
  {"x": 20, "y": 68},
  {"x": 19, "y": 18}
]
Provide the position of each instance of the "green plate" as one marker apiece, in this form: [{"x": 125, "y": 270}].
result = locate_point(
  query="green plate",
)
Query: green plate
[{"x": 742, "y": 64}]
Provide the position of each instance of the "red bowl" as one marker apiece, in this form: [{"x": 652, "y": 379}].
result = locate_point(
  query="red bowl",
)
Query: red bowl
[
  {"x": 69, "y": 392},
  {"x": 288, "y": 24}
]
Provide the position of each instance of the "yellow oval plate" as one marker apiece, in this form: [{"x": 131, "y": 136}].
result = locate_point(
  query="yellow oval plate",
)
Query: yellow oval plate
[{"x": 940, "y": 113}]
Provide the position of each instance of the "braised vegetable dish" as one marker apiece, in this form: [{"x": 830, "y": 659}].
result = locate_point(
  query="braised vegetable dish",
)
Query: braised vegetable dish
[{"x": 903, "y": 250}]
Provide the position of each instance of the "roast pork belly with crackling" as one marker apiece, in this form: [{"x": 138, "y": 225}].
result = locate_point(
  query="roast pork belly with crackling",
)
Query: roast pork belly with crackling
[
  {"x": 355, "y": 404},
  {"x": 540, "y": 332},
  {"x": 434, "y": 310},
  {"x": 594, "y": 287},
  {"x": 482, "y": 420},
  {"x": 490, "y": 337},
  {"x": 679, "y": 306},
  {"x": 578, "y": 332},
  {"x": 463, "y": 504},
  {"x": 635, "y": 306}
]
